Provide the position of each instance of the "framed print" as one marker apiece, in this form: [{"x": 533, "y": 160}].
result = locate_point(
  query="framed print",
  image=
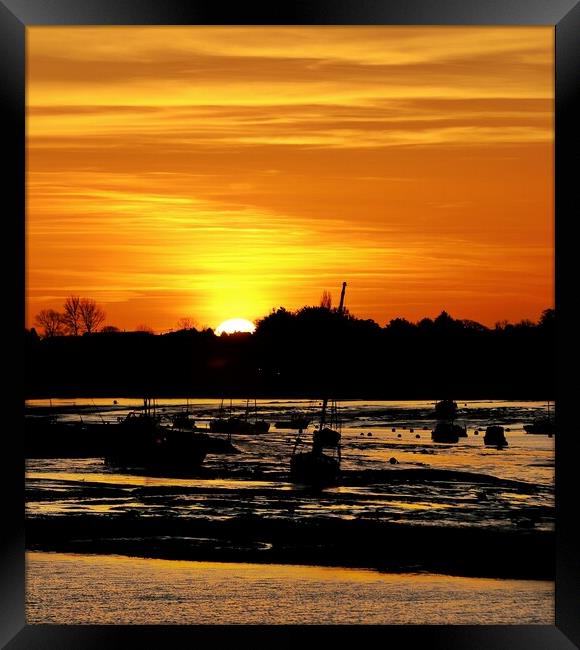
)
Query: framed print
[{"x": 261, "y": 250}]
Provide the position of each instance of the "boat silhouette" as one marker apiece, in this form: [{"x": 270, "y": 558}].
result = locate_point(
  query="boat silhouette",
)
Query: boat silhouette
[
  {"x": 544, "y": 425},
  {"x": 495, "y": 436},
  {"x": 446, "y": 409},
  {"x": 315, "y": 467},
  {"x": 446, "y": 430},
  {"x": 320, "y": 466},
  {"x": 238, "y": 424},
  {"x": 142, "y": 442},
  {"x": 297, "y": 420}
]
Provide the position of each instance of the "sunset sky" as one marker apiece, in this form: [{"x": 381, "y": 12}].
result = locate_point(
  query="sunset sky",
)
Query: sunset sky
[{"x": 216, "y": 172}]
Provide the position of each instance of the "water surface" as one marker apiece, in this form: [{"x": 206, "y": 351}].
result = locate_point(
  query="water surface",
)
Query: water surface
[
  {"x": 85, "y": 589},
  {"x": 466, "y": 483}
]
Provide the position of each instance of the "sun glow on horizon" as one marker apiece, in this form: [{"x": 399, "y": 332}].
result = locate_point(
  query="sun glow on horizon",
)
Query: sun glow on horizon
[
  {"x": 207, "y": 171},
  {"x": 235, "y": 325}
]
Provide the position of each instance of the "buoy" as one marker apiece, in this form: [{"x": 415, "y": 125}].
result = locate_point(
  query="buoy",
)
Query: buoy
[
  {"x": 362, "y": 434},
  {"x": 525, "y": 523},
  {"x": 369, "y": 434},
  {"x": 476, "y": 432},
  {"x": 417, "y": 436},
  {"x": 115, "y": 401},
  {"x": 393, "y": 461},
  {"x": 398, "y": 435}
]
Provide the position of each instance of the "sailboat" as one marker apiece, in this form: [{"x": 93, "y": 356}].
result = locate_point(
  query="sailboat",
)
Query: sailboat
[
  {"x": 316, "y": 467},
  {"x": 320, "y": 466},
  {"x": 544, "y": 425},
  {"x": 236, "y": 424},
  {"x": 141, "y": 441},
  {"x": 446, "y": 409},
  {"x": 181, "y": 420},
  {"x": 446, "y": 430},
  {"x": 297, "y": 420}
]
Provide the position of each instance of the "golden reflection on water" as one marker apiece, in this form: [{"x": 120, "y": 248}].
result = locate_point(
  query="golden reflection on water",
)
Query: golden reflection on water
[
  {"x": 147, "y": 481},
  {"x": 62, "y": 507},
  {"x": 75, "y": 589}
]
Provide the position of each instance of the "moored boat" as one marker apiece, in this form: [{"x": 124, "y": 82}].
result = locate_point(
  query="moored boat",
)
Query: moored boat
[
  {"x": 446, "y": 409},
  {"x": 448, "y": 432},
  {"x": 236, "y": 424},
  {"x": 541, "y": 426},
  {"x": 544, "y": 425},
  {"x": 51, "y": 437},
  {"x": 141, "y": 442},
  {"x": 495, "y": 436},
  {"x": 297, "y": 420},
  {"x": 315, "y": 467},
  {"x": 182, "y": 421},
  {"x": 320, "y": 466}
]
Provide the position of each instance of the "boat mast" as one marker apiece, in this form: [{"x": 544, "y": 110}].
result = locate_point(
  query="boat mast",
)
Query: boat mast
[
  {"x": 341, "y": 305},
  {"x": 340, "y": 311},
  {"x": 323, "y": 413}
]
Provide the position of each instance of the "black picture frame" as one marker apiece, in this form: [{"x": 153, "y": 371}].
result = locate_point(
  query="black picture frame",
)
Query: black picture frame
[{"x": 15, "y": 16}]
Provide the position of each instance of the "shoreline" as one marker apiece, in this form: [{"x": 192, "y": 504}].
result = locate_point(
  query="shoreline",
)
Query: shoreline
[
  {"x": 386, "y": 547},
  {"x": 401, "y": 570}
]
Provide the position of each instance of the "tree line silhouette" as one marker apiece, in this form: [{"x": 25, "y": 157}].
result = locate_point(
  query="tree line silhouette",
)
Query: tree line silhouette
[
  {"x": 302, "y": 353},
  {"x": 79, "y": 316}
]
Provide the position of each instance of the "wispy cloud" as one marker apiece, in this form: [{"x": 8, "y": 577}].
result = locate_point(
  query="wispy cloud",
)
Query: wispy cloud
[{"x": 234, "y": 169}]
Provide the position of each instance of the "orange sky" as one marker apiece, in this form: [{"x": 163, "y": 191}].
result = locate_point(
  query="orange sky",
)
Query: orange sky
[{"x": 215, "y": 172}]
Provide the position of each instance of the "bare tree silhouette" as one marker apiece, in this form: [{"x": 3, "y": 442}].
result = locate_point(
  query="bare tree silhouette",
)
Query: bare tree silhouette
[
  {"x": 51, "y": 321},
  {"x": 91, "y": 315},
  {"x": 143, "y": 327},
  {"x": 326, "y": 300},
  {"x": 186, "y": 323},
  {"x": 72, "y": 317}
]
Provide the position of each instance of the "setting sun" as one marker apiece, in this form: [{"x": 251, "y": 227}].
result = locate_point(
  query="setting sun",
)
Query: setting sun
[
  {"x": 255, "y": 167},
  {"x": 235, "y": 325},
  {"x": 258, "y": 257}
]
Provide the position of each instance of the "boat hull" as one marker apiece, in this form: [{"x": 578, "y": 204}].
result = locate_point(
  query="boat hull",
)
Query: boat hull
[
  {"x": 495, "y": 437},
  {"x": 314, "y": 469},
  {"x": 169, "y": 451},
  {"x": 541, "y": 427},
  {"x": 238, "y": 425},
  {"x": 44, "y": 439},
  {"x": 448, "y": 433},
  {"x": 293, "y": 424}
]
